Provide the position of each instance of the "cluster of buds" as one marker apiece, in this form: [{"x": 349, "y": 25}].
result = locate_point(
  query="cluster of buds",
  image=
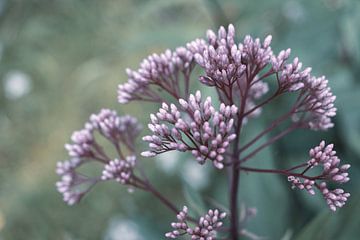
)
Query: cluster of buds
[
  {"x": 203, "y": 131},
  {"x": 120, "y": 170},
  {"x": 256, "y": 55},
  {"x": 82, "y": 144},
  {"x": 324, "y": 155},
  {"x": 334, "y": 198},
  {"x": 221, "y": 59},
  {"x": 205, "y": 229},
  {"x": 317, "y": 100},
  {"x": 319, "y": 103},
  {"x": 227, "y": 65},
  {"x": 164, "y": 71},
  {"x": 115, "y": 128},
  {"x": 73, "y": 186},
  {"x": 118, "y": 130},
  {"x": 306, "y": 184}
]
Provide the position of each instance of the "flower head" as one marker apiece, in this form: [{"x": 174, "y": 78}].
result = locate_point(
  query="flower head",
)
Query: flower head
[
  {"x": 205, "y": 229},
  {"x": 196, "y": 126},
  {"x": 319, "y": 103},
  {"x": 120, "y": 170},
  {"x": 324, "y": 156},
  {"x": 163, "y": 70},
  {"x": 72, "y": 185},
  {"x": 114, "y": 127},
  {"x": 81, "y": 145},
  {"x": 120, "y": 131},
  {"x": 334, "y": 198}
]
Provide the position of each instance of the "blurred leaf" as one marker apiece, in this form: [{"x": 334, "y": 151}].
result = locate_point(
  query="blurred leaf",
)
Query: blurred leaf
[
  {"x": 349, "y": 118},
  {"x": 194, "y": 199},
  {"x": 314, "y": 230},
  {"x": 351, "y": 33},
  {"x": 265, "y": 192},
  {"x": 342, "y": 225}
]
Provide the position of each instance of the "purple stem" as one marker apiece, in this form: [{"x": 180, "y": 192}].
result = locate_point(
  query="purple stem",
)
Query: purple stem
[
  {"x": 269, "y": 142},
  {"x": 282, "y": 172}
]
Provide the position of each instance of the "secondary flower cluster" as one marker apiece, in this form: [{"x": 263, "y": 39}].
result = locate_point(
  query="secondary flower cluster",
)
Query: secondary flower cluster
[
  {"x": 118, "y": 130},
  {"x": 324, "y": 155},
  {"x": 203, "y": 131},
  {"x": 164, "y": 71},
  {"x": 232, "y": 68},
  {"x": 120, "y": 170},
  {"x": 317, "y": 100},
  {"x": 72, "y": 185},
  {"x": 205, "y": 229}
]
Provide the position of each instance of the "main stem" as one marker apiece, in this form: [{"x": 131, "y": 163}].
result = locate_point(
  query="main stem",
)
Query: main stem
[
  {"x": 234, "y": 218},
  {"x": 234, "y": 188}
]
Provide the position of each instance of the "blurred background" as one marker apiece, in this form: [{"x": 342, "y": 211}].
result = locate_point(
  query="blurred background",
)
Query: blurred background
[{"x": 61, "y": 60}]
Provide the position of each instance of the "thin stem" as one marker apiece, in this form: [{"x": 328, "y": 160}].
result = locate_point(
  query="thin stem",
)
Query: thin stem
[
  {"x": 269, "y": 142},
  {"x": 281, "y": 172},
  {"x": 187, "y": 83},
  {"x": 234, "y": 218},
  {"x": 99, "y": 150},
  {"x": 150, "y": 188},
  {"x": 162, "y": 198},
  {"x": 142, "y": 172},
  {"x": 276, "y": 94},
  {"x": 234, "y": 185},
  {"x": 118, "y": 150},
  {"x": 306, "y": 169},
  {"x": 269, "y": 73},
  {"x": 267, "y": 130},
  {"x": 298, "y": 166}
]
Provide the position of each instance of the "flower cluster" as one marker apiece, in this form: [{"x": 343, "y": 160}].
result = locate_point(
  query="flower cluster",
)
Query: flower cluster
[
  {"x": 319, "y": 103},
  {"x": 205, "y": 229},
  {"x": 306, "y": 184},
  {"x": 120, "y": 170},
  {"x": 162, "y": 71},
  {"x": 324, "y": 155},
  {"x": 291, "y": 76},
  {"x": 226, "y": 63},
  {"x": 82, "y": 142},
  {"x": 228, "y": 66},
  {"x": 317, "y": 100},
  {"x": 118, "y": 130},
  {"x": 115, "y": 128},
  {"x": 203, "y": 131},
  {"x": 221, "y": 59},
  {"x": 72, "y": 185},
  {"x": 334, "y": 198}
]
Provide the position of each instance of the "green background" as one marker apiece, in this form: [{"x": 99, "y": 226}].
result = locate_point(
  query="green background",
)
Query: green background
[{"x": 74, "y": 54}]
